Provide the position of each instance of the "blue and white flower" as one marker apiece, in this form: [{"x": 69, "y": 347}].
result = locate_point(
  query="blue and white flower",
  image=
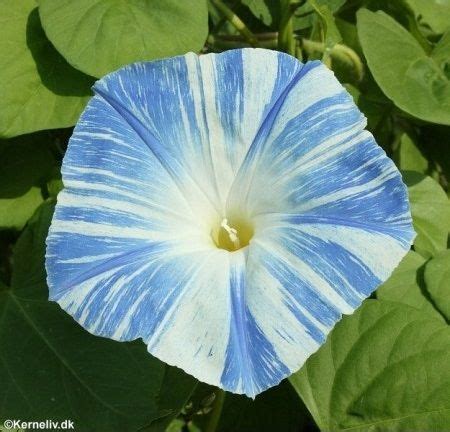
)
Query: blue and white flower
[{"x": 227, "y": 209}]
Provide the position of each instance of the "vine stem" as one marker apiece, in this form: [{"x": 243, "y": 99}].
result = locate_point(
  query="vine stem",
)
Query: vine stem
[
  {"x": 216, "y": 411},
  {"x": 235, "y": 21}
]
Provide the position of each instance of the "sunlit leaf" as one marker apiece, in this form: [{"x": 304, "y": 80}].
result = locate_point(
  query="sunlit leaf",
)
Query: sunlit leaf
[
  {"x": 413, "y": 80},
  {"x": 434, "y": 13},
  {"x": 14, "y": 212},
  {"x": 38, "y": 89},
  {"x": 99, "y": 36},
  {"x": 430, "y": 209}
]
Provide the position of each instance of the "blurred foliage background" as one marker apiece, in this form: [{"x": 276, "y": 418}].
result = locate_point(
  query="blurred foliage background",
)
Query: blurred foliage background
[{"x": 387, "y": 367}]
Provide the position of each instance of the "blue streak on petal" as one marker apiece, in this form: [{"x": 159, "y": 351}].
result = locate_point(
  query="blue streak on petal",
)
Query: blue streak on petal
[
  {"x": 314, "y": 302},
  {"x": 338, "y": 266},
  {"x": 251, "y": 364},
  {"x": 258, "y": 144},
  {"x": 300, "y": 122}
]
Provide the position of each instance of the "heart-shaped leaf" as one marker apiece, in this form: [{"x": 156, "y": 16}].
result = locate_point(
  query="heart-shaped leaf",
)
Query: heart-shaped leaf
[
  {"x": 385, "y": 368},
  {"x": 99, "y": 36}
]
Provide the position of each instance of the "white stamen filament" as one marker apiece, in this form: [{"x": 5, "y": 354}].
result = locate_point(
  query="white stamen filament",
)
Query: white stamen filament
[{"x": 232, "y": 233}]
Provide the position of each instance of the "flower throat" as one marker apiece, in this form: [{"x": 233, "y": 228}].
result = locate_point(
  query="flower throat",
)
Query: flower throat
[{"x": 232, "y": 235}]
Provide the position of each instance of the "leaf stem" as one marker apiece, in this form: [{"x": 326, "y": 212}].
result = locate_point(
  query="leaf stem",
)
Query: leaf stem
[
  {"x": 235, "y": 21},
  {"x": 216, "y": 411}
]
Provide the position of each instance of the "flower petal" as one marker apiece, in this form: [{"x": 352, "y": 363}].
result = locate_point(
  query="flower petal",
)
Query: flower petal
[
  {"x": 312, "y": 125},
  {"x": 207, "y": 108}
]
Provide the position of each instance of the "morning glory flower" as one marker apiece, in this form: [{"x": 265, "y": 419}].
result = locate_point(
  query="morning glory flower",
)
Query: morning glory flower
[{"x": 227, "y": 209}]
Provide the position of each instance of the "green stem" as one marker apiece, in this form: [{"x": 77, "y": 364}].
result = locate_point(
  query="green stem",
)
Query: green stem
[
  {"x": 298, "y": 51},
  {"x": 339, "y": 52},
  {"x": 222, "y": 19},
  {"x": 286, "y": 41},
  {"x": 216, "y": 411},
  {"x": 235, "y": 21}
]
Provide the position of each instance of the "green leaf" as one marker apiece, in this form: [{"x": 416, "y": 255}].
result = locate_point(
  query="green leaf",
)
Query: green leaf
[
  {"x": 441, "y": 54},
  {"x": 434, "y": 13},
  {"x": 406, "y": 74},
  {"x": 437, "y": 279},
  {"x": 304, "y": 19},
  {"x": 384, "y": 368},
  {"x": 54, "y": 369},
  {"x": 25, "y": 161},
  {"x": 430, "y": 209},
  {"x": 268, "y": 11},
  {"x": 38, "y": 89},
  {"x": 406, "y": 285},
  {"x": 99, "y": 36},
  {"x": 409, "y": 156},
  {"x": 15, "y": 212}
]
